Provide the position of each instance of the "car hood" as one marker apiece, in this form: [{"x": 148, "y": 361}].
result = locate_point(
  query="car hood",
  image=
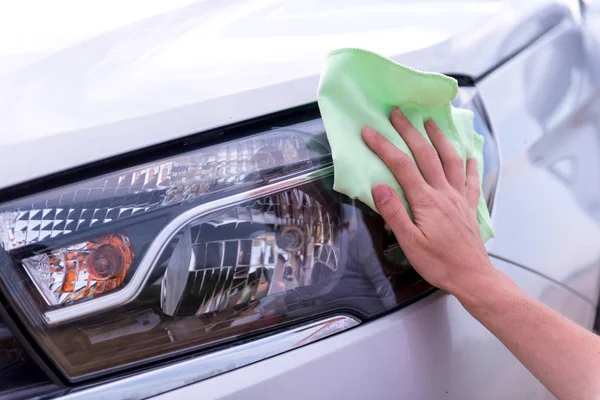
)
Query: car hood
[{"x": 104, "y": 78}]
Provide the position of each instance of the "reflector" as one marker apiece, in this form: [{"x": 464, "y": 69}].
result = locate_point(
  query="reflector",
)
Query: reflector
[
  {"x": 273, "y": 244},
  {"x": 139, "y": 190},
  {"x": 81, "y": 271}
]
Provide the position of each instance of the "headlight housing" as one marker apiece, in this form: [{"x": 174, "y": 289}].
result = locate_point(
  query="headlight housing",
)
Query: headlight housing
[{"x": 189, "y": 252}]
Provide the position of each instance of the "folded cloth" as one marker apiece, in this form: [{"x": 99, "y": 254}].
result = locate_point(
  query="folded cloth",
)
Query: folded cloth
[{"x": 360, "y": 88}]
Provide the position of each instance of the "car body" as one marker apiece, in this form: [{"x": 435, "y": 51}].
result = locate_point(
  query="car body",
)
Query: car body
[{"x": 133, "y": 76}]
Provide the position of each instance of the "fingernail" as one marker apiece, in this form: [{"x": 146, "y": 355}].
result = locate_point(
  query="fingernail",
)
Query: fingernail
[
  {"x": 381, "y": 194},
  {"x": 368, "y": 131},
  {"x": 398, "y": 112},
  {"x": 429, "y": 122}
]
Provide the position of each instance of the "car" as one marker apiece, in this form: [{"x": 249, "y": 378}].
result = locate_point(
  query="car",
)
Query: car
[{"x": 167, "y": 219}]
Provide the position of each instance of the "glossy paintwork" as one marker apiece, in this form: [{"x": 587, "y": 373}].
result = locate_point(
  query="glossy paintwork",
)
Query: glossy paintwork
[
  {"x": 545, "y": 110},
  {"x": 431, "y": 350},
  {"x": 115, "y": 80}
]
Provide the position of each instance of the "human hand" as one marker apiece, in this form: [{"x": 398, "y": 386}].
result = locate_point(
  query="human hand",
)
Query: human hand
[
  {"x": 444, "y": 245},
  {"x": 442, "y": 242}
]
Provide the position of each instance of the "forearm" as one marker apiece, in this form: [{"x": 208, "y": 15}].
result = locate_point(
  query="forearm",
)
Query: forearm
[{"x": 562, "y": 355}]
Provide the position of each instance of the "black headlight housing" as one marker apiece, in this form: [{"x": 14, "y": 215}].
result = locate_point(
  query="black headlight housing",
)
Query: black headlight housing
[{"x": 221, "y": 241}]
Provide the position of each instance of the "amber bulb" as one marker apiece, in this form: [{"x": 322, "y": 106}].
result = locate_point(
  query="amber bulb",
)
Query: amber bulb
[{"x": 105, "y": 262}]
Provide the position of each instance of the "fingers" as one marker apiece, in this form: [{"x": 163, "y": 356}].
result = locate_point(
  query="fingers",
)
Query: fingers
[
  {"x": 405, "y": 171},
  {"x": 453, "y": 164},
  {"x": 472, "y": 190},
  {"x": 426, "y": 156},
  {"x": 394, "y": 213}
]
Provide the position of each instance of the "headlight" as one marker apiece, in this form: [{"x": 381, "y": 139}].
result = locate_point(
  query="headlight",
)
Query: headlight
[
  {"x": 80, "y": 271},
  {"x": 194, "y": 251}
]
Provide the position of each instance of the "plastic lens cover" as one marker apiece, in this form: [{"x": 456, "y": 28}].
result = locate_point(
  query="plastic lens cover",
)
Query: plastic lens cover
[
  {"x": 81, "y": 271},
  {"x": 194, "y": 251}
]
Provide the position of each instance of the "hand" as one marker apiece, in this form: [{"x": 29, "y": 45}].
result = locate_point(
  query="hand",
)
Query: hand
[{"x": 442, "y": 242}]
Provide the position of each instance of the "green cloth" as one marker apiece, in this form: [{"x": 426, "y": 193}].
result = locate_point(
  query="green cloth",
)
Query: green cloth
[{"x": 360, "y": 88}]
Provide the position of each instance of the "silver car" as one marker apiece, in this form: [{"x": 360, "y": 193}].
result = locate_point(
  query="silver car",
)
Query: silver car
[{"x": 167, "y": 219}]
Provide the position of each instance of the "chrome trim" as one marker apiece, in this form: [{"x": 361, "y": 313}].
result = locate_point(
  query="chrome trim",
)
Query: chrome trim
[
  {"x": 142, "y": 273},
  {"x": 164, "y": 379}
]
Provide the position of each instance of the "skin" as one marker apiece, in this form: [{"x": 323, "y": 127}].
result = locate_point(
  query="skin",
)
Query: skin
[{"x": 443, "y": 244}]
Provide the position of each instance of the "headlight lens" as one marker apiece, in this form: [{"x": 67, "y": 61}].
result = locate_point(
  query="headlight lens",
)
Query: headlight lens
[
  {"x": 193, "y": 251},
  {"x": 251, "y": 251},
  {"x": 80, "y": 271},
  {"x": 20, "y": 376}
]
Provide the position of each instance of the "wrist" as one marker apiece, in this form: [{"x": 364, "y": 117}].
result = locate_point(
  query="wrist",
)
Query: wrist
[{"x": 485, "y": 289}]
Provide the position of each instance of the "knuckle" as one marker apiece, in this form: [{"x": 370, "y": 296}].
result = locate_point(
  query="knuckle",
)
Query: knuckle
[
  {"x": 474, "y": 190},
  {"x": 455, "y": 198},
  {"x": 400, "y": 161},
  {"x": 428, "y": 152},
  {"x": 455, "y": 162},
  {"x": 410, "y": 238},
  {"x": 426, "y": 200},
  {"x": 395, "y": 215},
  {"x": 374, "y": 142},
  {"x": 456, "y": 179},
  {"x": 448, "y": 209}
]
